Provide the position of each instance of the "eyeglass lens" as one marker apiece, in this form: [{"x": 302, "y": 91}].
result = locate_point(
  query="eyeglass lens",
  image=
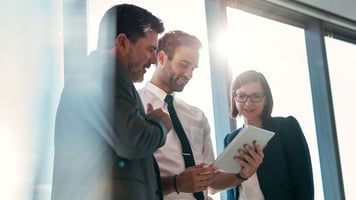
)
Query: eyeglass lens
[{"x": 256, "y": 98}]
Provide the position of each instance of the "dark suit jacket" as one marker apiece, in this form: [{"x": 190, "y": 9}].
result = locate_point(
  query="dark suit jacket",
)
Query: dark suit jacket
[
  {"x": 104, "y": 142},
  {"x": 286, "y": 171}
]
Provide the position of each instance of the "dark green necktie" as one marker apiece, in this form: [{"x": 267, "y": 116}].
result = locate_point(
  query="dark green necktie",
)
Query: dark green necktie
[{"x": 186, "y": 150}]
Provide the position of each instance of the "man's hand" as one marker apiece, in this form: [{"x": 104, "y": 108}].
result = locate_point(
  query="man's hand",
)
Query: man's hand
[
  {"x": 195, "y": 179},
  {"x": 161, "y": 114},
  {"x": 249, "y": 159}
]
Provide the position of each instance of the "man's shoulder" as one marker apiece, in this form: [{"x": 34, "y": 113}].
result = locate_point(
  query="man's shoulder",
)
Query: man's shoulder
[
  {"x": 145, "y": 93},
  {"x": 143, "y": 90},
  {"x": 186, "y": 107}
]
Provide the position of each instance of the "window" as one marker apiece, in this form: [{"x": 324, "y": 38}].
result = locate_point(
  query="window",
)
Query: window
[
  {"x": 278, "y": 51},
  {"x": 341, "y": 61}
]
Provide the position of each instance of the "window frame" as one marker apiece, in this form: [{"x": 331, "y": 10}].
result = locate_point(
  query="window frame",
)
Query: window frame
[{"x": 315, "y": 31}]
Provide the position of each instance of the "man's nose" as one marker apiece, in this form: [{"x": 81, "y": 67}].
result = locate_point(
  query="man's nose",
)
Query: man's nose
[
  {"x": 188, "y": 73},
  {"x": 153, "y": 58}
]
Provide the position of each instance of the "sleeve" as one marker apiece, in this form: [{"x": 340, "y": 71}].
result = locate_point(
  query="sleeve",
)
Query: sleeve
[
  {"x": 129, "y": 131},
  {"x": 208, "y": 146},
  {"x": 298, "y": 158},
  {"x": 137, "y": 135}
]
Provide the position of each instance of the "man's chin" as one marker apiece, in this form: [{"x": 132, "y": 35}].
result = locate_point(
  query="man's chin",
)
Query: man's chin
[
  {"x": 179, "y": 88},
  {"x": 137, "y": 79}
]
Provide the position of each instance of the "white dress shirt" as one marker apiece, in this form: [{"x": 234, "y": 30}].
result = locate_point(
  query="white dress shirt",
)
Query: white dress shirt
[{"x": 197, "y": 129}]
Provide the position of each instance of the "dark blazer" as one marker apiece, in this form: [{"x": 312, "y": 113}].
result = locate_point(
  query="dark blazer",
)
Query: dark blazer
[
  {"x": 286, "y": 171},
  {"x": 104, "y": 142}
]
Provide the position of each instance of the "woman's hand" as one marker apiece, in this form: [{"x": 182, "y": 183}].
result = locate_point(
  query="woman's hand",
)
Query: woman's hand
[{"x": 250, "y": 159}]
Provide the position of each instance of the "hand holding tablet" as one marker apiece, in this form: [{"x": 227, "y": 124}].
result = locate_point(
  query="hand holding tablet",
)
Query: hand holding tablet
[{"x": 225, "y": 161}]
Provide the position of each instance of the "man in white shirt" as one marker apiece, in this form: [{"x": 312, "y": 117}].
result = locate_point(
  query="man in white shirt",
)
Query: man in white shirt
[{"x": 177, "y": 57}]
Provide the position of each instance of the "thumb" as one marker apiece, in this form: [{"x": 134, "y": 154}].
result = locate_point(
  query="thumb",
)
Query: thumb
[{"x": 149, "y": 108}]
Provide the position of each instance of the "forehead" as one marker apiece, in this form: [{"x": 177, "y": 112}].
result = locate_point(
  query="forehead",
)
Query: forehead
[
  {"x": 251, "y": 87},
  {"x": 151, "y": 39},
  {"x": 185, "y": 53}
]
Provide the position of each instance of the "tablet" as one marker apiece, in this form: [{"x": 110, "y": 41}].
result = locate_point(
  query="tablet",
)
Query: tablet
[{"x": 225, "y": 161}]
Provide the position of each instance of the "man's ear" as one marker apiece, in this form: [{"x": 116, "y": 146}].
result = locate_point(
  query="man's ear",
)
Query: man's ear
[
  {"x": 161, "y": 57},
  {"x": 122, "y": 43}
]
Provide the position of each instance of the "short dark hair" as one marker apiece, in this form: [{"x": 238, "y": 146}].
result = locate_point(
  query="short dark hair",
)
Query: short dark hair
[
  {"x": 248, "y": 77},
  {"x": 173, "y": 39},
  {"x": 129, "y": 19}
]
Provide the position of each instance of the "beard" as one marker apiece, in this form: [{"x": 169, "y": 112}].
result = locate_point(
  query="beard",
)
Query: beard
[{"x": 172, "y": 79}]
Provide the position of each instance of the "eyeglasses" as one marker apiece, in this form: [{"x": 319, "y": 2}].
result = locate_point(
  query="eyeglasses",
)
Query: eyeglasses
[{"x": 255, "y": 98}]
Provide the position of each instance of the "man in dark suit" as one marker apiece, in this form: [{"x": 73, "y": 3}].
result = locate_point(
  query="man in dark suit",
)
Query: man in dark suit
[{"x": 104, "y": 141}]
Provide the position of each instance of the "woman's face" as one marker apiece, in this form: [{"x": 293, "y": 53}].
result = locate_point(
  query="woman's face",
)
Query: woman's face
[{"x": 250, "y": 101}]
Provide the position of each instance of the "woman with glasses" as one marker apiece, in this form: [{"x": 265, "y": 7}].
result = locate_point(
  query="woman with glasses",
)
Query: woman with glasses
[{"x": 286, "y": 171}]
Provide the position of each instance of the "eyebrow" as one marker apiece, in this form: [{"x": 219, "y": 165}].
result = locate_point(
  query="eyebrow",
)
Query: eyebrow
[
  {"x": 153, "y": 47},
  {"x": 187, "y": 62}
]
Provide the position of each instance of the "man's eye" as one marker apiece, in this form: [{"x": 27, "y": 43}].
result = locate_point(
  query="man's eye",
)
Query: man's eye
[{"x": 184, "y": 65}]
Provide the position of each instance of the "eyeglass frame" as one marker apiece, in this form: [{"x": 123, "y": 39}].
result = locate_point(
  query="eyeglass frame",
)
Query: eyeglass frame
[{"x": 251, "y": 96}]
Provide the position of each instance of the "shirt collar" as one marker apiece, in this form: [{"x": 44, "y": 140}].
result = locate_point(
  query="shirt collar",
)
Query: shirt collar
[{"x": 157, "y": 91}]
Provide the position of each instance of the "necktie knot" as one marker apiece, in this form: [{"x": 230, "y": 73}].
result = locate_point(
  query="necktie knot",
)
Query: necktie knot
[{"x": 169, "y": 99}]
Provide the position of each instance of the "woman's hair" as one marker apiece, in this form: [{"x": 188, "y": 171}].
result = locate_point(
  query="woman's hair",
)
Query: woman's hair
[
  {"x": 131, "y": 20},
  {"x": 248, "y": 77}
]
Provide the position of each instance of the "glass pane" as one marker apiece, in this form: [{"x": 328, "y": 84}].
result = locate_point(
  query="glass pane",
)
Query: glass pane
[
  {"x": 278, "y": 51},
  {"x": 31, "y": 76},
  {"x": 195, "y": 13},
  {"x": 342, "y": 69}
]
